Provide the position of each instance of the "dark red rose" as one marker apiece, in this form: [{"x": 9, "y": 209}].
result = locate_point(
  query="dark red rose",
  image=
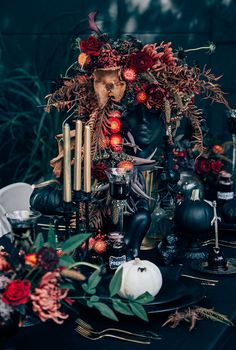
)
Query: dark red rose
[
  {"x": 17, "y": 292},
  {"x": 203, "y": 166},
  {"x": 91, "y": 46},
  {"x": 140, "y": 61},
  {"x": 216, "y": 165},
  {"x": 98, "y": 172},
  {"x": 47, "y": 259}
]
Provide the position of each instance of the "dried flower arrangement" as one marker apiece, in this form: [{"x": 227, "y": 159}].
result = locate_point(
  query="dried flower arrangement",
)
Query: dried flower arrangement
[{"x": 111, "y": 75}]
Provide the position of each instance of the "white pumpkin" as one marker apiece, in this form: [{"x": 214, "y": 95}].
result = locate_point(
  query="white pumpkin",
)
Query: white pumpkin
[{"x": 138, "y": 277}]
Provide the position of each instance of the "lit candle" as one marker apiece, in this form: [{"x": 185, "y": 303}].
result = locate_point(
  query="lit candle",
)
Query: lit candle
[
  {"x": 78, "y": 149},
  {"x": 67, "y": 164},
  {"x": 87, "y": 159}
]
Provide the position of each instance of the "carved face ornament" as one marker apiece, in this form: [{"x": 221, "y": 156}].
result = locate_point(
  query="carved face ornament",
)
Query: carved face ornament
[{"x": 108, "y": 85}]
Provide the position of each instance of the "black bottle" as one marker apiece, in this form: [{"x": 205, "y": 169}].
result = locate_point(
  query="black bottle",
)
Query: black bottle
[
  {"x": 116, "y": 250},
  {"x": 225, "y": 188}
]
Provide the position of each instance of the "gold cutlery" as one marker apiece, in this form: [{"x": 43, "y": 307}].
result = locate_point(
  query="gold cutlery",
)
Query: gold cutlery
[
  {"x": 86, "y": 325},
  {"x": 87, "y": 333},
  {"x": 200, "y": 279},
  {"x": 231, "y": 244}
]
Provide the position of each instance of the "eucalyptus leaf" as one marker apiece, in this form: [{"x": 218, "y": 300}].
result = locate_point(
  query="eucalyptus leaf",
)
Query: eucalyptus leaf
[
  {"x": 39, "y": 242},
  {"x": 115, "y": 283},
  {"x": 138, "y": 310},
  {"x": 66, "y": 261},
  {"x": 51, "y": 238},
  {"x": 88, "y": 290},
  {"x": 121, "y": 307},
  {"x": 74, "y": 242},
  {"x": 144, "y": 298},
  {"x": 94, "y": 279},
  {"x": 105, "y": 310}
]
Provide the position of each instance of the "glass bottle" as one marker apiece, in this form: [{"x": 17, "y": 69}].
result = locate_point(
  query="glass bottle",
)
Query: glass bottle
[
  {"x": 116, "y": 249},
  {"x": 225, "y": 190}
]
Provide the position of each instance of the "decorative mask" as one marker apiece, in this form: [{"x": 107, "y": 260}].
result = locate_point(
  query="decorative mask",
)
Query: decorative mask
[{"x": 108, "y": 84}]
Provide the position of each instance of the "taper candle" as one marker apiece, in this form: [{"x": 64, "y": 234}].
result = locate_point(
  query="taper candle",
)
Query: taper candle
[
  {"x": 67, "y": 164},
  {"x": 78, "y": 155},
  {"x": 87, "y": 159}
]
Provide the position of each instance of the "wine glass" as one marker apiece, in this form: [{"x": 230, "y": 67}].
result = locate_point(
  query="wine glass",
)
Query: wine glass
[
  {"x": 119, "y": 186},
  {"x": 23, "y": 227}
]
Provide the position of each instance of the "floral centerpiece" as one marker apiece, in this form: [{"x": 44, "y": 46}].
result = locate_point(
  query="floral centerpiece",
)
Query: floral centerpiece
[{"x": 112, "y": 75}]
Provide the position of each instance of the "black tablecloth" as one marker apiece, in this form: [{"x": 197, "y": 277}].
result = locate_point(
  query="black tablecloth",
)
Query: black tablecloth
[{"x": 207, "y": 335}]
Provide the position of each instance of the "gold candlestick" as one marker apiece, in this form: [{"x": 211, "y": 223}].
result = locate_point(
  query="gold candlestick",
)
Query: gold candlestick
[
  {"x": 78, "y": 155},
  {"x": 87, "y": 159},
  {"x": 67, "y": 164}
]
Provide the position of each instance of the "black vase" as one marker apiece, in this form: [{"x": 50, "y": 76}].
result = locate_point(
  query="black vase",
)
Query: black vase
[{"x": 9, "y": 329}]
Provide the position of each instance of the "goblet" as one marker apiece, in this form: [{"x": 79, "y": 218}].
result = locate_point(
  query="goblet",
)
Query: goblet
[
  {"x": 23, "y": 227},
  {"x": 119, "y": 184}
]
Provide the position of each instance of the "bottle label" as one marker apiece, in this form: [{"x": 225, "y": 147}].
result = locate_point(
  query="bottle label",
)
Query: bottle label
[
  {"x": 225, "y": 195},
  {"x": 116, "y": 261}
]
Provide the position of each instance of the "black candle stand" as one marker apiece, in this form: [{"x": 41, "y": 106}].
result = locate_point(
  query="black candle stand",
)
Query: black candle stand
[{"x": 67, "y": 213}]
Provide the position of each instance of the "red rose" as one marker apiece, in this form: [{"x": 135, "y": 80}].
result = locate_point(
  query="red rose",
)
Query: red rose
[
  {"x": 140, "y": 61},
  {"x": 216, "y": 165},
  {"x": 91, "y": 46},
  {"x": 17, "y": 292},
  {"x": 202, "y": 166}
]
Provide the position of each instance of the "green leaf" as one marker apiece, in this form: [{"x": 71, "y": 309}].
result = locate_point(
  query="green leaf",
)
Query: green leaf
[
  {"x": 115, "y": 284},
  {"x": 138, "y": 310},
  {"x": 39, "y": 242},
  {"x": 121, "y": 307},
  {"x": 74, "y": 242},
  {"x": 51, "y": 237},
  {"x": 94, "y": 279},
  {"x": 94, "y": 298},
  {"x": 144, "y": 298},
  {"x": 66, "y": 260},
  {"x": 106, "y": 311},
  {"x": 87, "y": 289},
  {"x": 67, "y": 286}
]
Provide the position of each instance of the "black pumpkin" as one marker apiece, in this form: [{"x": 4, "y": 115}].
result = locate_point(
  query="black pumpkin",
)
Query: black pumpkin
[
  {"x": 47, "y": 198},
  {"x": 193, "y": 217},
  {"x": 228, "y": 211}
]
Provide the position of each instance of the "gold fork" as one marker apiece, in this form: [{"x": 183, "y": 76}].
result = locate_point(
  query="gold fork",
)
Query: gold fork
[
  {"x": 87, "y": 333},
  {"x": 200, "y": 279},
  {"x": 86, "y": 325}
]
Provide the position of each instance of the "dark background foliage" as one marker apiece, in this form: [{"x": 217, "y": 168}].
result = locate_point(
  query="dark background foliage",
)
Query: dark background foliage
[{"x": 36, "y": 47}]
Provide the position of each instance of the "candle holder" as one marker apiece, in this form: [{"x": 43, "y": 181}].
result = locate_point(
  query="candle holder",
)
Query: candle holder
[{"x": 67, "y": 213}]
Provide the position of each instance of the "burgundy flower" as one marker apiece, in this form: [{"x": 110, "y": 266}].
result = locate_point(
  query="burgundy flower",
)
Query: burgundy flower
[
  {"x": 202, "y": 166},
  {"x": 156, "y": 95},
  {"x": 91, "y": 46},
  {"x": 17, "y": 292},
  {"x": 216, "y": 165},
  {"x": 98, "y": 171},
  {"x": 47, "y": 259},
  {"x": 140, "y": 61}
]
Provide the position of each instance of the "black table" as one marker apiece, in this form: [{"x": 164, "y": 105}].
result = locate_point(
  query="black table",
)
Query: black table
[{"x": 207, "y": 335}]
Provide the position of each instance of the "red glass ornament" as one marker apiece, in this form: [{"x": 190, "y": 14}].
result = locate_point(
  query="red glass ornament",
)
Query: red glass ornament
[{"x": 114, "y": 125}]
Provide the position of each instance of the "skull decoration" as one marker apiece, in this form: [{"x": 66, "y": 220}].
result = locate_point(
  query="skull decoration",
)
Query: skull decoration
[{"x": 108, "y": 84}]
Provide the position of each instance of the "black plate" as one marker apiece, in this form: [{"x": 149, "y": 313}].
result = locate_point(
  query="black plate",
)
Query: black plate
[
  {"x": 173, "y": 294},
  {"x": 203, "y": 267},
  {"x": 192, "y": 293}
]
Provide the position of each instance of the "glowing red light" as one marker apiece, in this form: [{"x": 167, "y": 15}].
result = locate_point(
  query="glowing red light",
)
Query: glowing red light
[{"x": 114, "y": 125}]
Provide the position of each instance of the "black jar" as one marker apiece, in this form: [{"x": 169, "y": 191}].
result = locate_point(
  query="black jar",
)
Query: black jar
[
  {"x": 225, "y": 188},
  {"x": 116, "y": 250}
]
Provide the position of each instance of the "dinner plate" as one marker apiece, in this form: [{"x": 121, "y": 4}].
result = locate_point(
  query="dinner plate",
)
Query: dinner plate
[
  {"x": 203, "y": 267},
  {"x": 174, "y": 294},
  {"x": 192, "y": 293}
]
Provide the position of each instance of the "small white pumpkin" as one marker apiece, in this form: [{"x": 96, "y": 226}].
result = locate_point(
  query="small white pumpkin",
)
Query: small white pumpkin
[{"x": 138, "y": 277}]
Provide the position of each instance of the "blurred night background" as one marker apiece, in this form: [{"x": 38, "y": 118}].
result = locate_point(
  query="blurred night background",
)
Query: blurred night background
[{"x": 36, "y": 47}]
